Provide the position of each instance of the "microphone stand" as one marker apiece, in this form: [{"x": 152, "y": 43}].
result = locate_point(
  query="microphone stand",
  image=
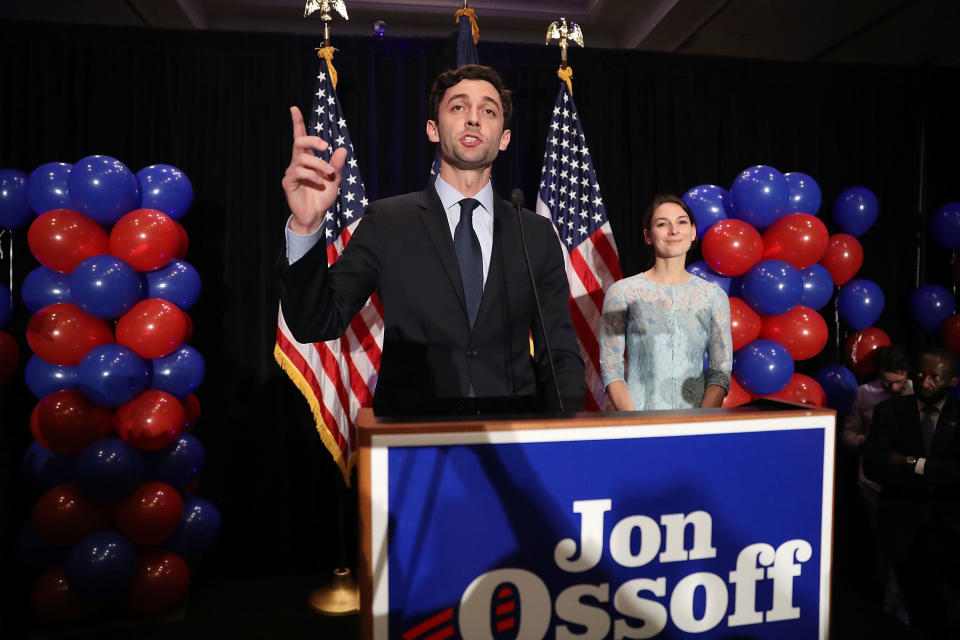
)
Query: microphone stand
[{"x": 516, "y": 197}]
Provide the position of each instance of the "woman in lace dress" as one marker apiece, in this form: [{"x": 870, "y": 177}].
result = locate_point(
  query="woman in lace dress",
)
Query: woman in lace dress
[{"x": 658, "y": 324}]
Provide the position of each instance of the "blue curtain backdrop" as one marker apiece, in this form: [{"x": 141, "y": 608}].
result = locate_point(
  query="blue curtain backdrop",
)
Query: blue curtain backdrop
[{"x": 215, "y": 105}]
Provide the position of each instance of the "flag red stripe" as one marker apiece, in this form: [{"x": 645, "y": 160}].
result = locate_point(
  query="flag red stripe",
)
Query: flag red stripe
[
  {"x": 442, "y": 634},
  {"x": 308, "y": 373},
  {"x": 601, "y": 241},
  {"x": 429, "y": 623},
  {"x": 331, "y": 367},
  {"x": 586, "y": 275}
]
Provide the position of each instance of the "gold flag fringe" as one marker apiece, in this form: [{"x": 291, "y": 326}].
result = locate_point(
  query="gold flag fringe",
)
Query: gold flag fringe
[{"x": 345, "y": 466}]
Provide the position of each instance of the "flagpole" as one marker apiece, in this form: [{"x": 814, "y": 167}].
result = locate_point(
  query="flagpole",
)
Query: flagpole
[{"x": 341, "y": 595}]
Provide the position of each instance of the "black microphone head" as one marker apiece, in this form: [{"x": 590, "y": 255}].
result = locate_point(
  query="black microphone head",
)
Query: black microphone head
[{"x": 516, "y": 197}]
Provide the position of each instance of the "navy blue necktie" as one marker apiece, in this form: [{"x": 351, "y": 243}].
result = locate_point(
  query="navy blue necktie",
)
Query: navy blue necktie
[
  {"x": 467, "y": 245},
  {"x": 928, "y": 427}
]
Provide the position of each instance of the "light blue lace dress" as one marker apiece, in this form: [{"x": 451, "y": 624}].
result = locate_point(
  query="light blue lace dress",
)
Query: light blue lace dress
[{"x": 653, "y": 337}]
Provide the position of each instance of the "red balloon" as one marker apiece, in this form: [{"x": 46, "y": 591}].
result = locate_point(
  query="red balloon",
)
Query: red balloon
[
  {"x": 54, "y": 602},
  {"x": 62, "y": 333},
  {"x": 146, "y": 238},
  {"x": 9, "y": 356},
  {"x": 801, "y": 330},
  {"x": 798, "y": 239},
  {"x": 68, "y": 422},
  {"x": 150, "y": 514},
  {"x": 736, "y": 396},
  {"x": 861, "y": 348},
  {"x": 188, "y": 334},
  {"x": 150, "y": 421},
  {"x": 64, "y": 515},
  {"x": 184, "y": 241},
  {"x": 191, "y": 412},
  {"x": 153, "y": 328},
  {"x": 35, "y": 427},
  {"x": 802, "y": 390},
  {"x": 745, "y": 323},
  {"x": 843, "y": 258},
  {"x": 731, "y": 247},
  {"x": 950, "y": 333},
  {"x": 160, "y": 582},
  {"x": 61, "y": 239}
]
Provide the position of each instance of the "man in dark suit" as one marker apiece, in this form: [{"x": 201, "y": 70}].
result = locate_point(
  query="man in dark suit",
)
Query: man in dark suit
[
  {"x": 913, "y": 452},
  {"x": 447, "y": 264}
]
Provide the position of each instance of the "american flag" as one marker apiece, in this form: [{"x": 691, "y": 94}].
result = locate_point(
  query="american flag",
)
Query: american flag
[
  {"x": 336, "y": 377},
  {"x": 466, "y": 54},
  {"x": 570, "y": 196}
]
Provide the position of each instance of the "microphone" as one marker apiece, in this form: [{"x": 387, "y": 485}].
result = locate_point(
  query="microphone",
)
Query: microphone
[{"x": 516, "y": 197}]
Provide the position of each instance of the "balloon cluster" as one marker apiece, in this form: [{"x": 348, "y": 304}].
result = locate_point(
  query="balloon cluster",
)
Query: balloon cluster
[
  {"x": 115, "y": 376},
  {"x": 932, "y": 306},
  {"x": 763, "y": 244}
]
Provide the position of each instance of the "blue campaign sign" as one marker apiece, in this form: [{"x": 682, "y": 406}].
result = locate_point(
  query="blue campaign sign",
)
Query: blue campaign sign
[{"x": 700, "y": 529}]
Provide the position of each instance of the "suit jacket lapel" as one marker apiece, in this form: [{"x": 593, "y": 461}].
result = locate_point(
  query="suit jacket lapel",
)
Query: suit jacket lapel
[{"x": 434, "y": 219}]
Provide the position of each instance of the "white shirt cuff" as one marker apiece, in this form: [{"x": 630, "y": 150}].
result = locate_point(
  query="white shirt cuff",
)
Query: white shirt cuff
[{"x": 918, "y": 468}]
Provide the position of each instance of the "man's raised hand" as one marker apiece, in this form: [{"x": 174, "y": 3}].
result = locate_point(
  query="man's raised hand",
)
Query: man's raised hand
[{"x": 310, "y": 183}]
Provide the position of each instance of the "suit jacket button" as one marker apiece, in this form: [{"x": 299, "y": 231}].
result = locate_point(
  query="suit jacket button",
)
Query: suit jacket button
[{"x": 471, "y": 354}]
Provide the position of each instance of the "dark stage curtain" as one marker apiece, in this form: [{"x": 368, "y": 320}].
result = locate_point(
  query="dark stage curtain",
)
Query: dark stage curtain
[{"x": 215, "y": 105}]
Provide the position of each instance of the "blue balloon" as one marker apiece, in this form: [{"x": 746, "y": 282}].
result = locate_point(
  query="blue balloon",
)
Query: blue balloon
[
  {"x": 805, "y": 196},
  {"x": 45, "y": 468},
  {"x": 14, "y": 209},
  {"x": 43, "y": 287},
  {"x": 840, "y": 386},
  {"x": 165, "y": 188},
  {"x": 760, "y": 195},
  {"x": 6, "y": 305},
  {"x": 48, "y": 187},
  {"x": 179, "y": 373},
  {"x": 930, "y": 305},
  {"x": 111, "y": 375},
  {"x": 103, "y": 188},
  {"x": 763, "y": 367},
  {"x": 736, "y": 287},
  {"x": 44, "y": 378},
  {"x": 701, "y": 269},
  {"x": 105, "y": 286},
  {"x": 709, "y": 205},
  {"x": 817, "y": 286},
  {"x": 945, "y": 225},
  {"x": 198, "y": 529},
  {"x": 772, "y": 287},
  {"x": 860, "y": 303},
  {"x": 101, "y": 565},
  {"x": 178, "y": 282},
  {"x": 35, "y": 552},
  {"x": 176, "y": 464},
  {"x": 109, "y": 469},
  {"x": 855, "y": 210}
]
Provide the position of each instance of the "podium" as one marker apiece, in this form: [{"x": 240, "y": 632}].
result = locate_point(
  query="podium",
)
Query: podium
[{"x": 672, "y": 524}]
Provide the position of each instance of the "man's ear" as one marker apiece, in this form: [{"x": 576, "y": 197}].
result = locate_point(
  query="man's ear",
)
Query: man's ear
[
  {"x": 504, "y": 139},
  {"x": 433, "y": 134}
]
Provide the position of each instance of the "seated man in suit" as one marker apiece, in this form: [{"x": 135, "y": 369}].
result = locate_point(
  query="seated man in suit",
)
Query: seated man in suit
[
  {"x": 447, "y": 264},
  {"x": 913, "y": 452}
]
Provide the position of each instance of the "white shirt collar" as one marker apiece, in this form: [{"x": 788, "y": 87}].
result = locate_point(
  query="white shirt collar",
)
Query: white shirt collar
[{"x": 450, "y": 197}]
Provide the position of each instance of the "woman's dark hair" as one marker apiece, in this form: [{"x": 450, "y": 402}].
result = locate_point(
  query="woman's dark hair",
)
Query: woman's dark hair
[
  {"x": 451, "y": 77},
  {"x": 648, "y": 221},
  {"x": 664, "y": 199}
]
